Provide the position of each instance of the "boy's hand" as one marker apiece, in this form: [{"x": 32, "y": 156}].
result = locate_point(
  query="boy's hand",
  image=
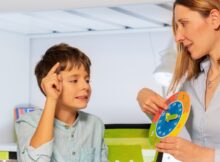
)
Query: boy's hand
[{"x": 52, "y": 83}]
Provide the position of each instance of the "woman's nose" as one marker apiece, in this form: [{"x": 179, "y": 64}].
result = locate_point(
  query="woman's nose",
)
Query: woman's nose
[{"x": 179, "y": 37}]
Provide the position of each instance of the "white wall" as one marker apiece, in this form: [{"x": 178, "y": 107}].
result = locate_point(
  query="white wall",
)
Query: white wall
[
  {"x": 14, "y": 80},
  {"x": 121, "y": 65}
]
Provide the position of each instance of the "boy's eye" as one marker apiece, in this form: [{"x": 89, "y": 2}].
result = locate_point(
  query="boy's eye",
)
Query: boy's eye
[
  {"x": 73, "y": 81},
  {"x": 88, "y": 81}
]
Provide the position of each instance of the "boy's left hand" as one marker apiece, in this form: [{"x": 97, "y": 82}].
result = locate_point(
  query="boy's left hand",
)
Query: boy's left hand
[{"x": 182, "y": 149}]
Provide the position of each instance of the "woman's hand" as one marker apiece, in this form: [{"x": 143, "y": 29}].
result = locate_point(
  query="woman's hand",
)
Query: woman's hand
[
  {"x": 150, "y": 102},
  {"x": 184, "y": 150},
  {"x": 51, "y": 84}
]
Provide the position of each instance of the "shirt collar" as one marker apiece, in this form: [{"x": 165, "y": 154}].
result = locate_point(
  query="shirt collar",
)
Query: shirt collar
[
  {"x": 205, "y": 64},
  {"x": 60, "y": 124}
]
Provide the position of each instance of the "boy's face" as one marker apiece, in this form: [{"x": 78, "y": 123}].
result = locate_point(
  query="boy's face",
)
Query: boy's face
[{"x": 76, "y": 88}]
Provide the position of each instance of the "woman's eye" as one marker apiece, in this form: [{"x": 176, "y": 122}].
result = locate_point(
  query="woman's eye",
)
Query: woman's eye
[{"x": 183, "y": 24}]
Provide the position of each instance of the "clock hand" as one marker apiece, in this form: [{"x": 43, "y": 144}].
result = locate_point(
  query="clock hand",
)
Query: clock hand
[{"x": 171, "y": 117}]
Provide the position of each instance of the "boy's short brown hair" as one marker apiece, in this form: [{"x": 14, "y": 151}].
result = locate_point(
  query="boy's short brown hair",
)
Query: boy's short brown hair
[{"x": 66, "y": 55}]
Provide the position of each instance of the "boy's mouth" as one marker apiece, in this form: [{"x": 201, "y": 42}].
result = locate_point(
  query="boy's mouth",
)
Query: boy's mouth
[{"x": 82, "y": 97}]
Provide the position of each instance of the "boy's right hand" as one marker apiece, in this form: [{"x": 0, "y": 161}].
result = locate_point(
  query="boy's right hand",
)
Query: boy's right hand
[
  {"x": 150, "y": 102},
  {"x": 51, "y": 84}
]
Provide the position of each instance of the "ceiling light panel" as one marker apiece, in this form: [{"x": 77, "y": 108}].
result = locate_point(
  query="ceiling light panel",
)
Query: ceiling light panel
[
  {"x": 20, "y": 24},
  {"x": 35, "y": 23},
  {"x": 115, "y": 17},
  {"x": 71, "y": 19},
  {"x": 151, "y": 11},
  {"x": 54, "y": 23}
]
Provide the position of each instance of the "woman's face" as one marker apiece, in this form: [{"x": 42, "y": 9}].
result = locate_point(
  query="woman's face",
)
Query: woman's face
[{"x": 193, "y": 31}]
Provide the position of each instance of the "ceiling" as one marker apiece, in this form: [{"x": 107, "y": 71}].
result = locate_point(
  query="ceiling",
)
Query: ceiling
[{"x": 83, "y": 18}]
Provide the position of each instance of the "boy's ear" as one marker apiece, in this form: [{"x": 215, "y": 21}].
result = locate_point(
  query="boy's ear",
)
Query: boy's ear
[{"x": 215, "y": 18}]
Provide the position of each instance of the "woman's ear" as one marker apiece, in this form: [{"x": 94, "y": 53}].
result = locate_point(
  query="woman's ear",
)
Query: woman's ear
[{"x": 215, "y": 18}]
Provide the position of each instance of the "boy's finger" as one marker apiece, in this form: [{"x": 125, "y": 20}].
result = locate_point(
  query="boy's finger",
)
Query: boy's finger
[
  {"x": 59, "y": 77},
  {"x": 42, "y": 87},
  {"x": 54, "y": 68},
  {"x": 60, "y": 83},
  {"x": 60, "y": 88}
]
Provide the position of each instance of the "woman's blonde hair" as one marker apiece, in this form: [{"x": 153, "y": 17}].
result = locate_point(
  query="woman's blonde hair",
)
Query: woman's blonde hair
[{"x": 185, "y": 65}]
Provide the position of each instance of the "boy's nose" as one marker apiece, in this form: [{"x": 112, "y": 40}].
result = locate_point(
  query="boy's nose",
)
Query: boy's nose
[{"x": 85, "y": 85}]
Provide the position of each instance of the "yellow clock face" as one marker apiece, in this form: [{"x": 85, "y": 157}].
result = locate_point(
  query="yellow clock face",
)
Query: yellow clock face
[{"x": 169, "y": 122}]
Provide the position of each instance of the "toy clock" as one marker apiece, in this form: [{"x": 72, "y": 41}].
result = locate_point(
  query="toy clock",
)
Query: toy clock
[{"x": 169, "y": 122}]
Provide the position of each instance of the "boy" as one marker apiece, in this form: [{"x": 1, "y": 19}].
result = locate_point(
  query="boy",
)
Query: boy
[{"x": 60, "y": 132}]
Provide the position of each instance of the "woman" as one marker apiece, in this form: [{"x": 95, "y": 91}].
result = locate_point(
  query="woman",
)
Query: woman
[{"x": 196, "y": 26}]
